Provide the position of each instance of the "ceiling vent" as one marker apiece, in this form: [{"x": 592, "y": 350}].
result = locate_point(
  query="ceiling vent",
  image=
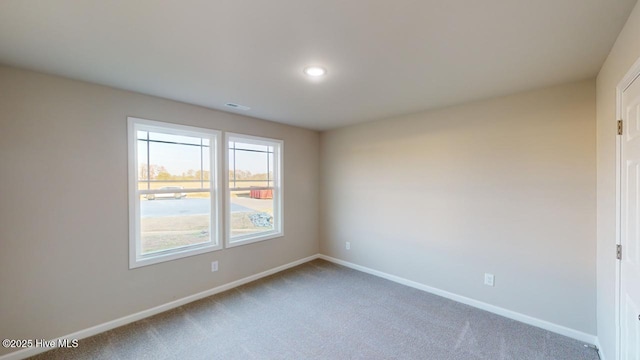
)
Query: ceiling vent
[{"x": 237, "y": 106}]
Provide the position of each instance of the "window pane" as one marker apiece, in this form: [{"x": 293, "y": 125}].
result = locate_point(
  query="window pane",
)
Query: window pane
[
  {"x": 247, "y": 146},
  {"x": 173, "y": 160},
  {"x": 143, "y": 171},
  {"x": 206, "y": 165},
  {"x": 174, "y": 138},
  {"x": 251, "y": 169},
  {"x": 170, "y": 221},
  {"x": 172, "y": 218},
  {"x": 232, "y": 165},
  {"x": 251, "y": 212},
  {"x": 178, "y": 165},
  {"x": 253, "y": 183},
  {"x": 251, "y": 165},
  {"x": 142, "y": 185},
  {"x": 271, "y": 166}
]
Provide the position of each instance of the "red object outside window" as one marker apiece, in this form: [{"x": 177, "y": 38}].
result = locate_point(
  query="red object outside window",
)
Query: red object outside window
[{"x": 261, "y": 194}]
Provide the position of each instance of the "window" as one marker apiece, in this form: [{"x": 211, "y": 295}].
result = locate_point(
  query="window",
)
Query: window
[
  {"x": 174, "y": 204},
  {"x": 254, "y": 189}
]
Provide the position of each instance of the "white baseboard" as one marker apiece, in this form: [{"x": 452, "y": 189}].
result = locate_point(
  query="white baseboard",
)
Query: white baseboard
[
  {"x": 85, "y": 333},
  {"x": 559, "y": 329},
  {"x": 94, "y": 330}
]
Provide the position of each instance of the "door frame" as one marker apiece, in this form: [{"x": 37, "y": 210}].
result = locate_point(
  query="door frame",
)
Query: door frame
[{"x": 632, "y": 74}]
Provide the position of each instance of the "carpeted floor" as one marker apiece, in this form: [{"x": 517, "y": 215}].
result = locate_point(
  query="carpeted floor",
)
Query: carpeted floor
[{"x": 320, "y": 310}]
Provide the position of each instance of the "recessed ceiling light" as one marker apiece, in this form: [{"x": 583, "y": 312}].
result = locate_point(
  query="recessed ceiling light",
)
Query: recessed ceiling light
[{"x": 315, "y": 71}]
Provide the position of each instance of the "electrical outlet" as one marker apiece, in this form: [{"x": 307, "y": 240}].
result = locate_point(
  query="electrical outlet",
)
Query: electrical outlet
[
  {"x": 347, "y": 245},
  {"x": 488, "y": 279},
  {"x": 214, "y": 266}
]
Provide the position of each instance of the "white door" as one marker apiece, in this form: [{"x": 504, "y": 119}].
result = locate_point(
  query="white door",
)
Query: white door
[{"x": 630, "y": 224}]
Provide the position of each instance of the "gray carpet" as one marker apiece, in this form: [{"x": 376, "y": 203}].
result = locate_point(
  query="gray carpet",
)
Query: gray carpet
[{"x": 324, "y": 311}]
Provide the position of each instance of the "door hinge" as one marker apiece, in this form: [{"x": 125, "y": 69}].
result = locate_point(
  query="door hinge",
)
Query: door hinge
[
  {"x": 619, "y": 127},
  {"x": 619, "y": 252}
]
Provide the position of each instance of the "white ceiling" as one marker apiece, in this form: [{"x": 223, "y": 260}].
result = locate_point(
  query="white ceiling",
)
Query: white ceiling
[{"x": 384, "y": 57}]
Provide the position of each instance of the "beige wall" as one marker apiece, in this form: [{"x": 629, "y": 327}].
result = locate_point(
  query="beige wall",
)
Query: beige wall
[
  {"x": 505, "y": 186},
  {"x": 624, "y": 53},
  {"x": 63, "y": 207}
]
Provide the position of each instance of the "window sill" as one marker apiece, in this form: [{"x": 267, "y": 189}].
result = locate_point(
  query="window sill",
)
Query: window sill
[
  {"x": 253, "y": 239},
  {"x": 171, "y": 255}
]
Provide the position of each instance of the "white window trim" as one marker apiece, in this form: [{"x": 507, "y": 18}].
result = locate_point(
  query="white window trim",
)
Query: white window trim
[
  {"x": 135, "y": 259},
  {"x": 278, "y": 193}
]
